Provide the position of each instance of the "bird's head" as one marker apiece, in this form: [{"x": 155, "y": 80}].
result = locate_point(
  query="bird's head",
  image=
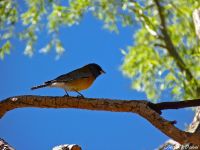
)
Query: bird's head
[{"x": 95, "y": 69}]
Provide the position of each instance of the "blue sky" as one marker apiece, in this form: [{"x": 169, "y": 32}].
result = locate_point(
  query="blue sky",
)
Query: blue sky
[{"x": 42, "y": 129}]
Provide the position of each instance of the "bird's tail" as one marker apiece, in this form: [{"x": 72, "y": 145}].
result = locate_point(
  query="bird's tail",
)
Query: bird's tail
[{"x": 39, "y": 86}]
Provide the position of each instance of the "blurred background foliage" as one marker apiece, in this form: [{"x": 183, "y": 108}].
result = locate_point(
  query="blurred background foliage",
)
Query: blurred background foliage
[{"x": 165, "y": 53}]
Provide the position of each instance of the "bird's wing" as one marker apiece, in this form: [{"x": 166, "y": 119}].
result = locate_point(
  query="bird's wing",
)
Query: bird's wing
[{"x": 68, "y": 77}]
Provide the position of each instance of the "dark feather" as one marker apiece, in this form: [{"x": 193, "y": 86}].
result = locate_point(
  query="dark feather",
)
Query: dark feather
[{"x": 68, "y": 77}]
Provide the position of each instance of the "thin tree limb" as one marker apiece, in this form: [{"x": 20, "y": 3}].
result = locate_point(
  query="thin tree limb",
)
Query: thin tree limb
[
  {"x": 169, "y": 44},
  {"x": 142, "y": 108},
  {"x": 174, "y": 105}
]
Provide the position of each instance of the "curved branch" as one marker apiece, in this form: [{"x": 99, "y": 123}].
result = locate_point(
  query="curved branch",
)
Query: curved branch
[{"x": 139, "y": 107}]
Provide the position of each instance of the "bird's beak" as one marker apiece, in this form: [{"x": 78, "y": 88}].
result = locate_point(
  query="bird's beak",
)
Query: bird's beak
[{"x": 102, "y": 71}]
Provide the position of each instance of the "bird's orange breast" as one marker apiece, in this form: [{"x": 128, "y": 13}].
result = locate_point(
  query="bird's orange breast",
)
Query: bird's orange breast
[{"x": 80, "y": 84}]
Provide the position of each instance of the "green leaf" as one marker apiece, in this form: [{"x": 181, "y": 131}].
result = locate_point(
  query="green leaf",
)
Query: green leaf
[{"x": 5, "y": 49}]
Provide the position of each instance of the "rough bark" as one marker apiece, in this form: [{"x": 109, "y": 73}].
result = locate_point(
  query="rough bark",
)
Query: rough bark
[
  {"x": 143, "y": 108},
  {"x": 194, "y": 127}
]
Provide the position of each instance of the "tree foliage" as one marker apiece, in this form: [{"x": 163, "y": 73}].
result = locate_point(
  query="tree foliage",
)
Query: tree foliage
[
  {"x": 153, "y": 62},
  {"x": 149, "y": 62}
]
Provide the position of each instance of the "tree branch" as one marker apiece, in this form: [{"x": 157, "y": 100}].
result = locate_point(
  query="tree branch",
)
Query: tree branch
[
  {"x": 4, "y": 145},
  {"x": 174, "y": 105},
  {"x": 194, "y": 127},
  {"x": 142, "y": 108},
  {"x": 169, "y": 44}
]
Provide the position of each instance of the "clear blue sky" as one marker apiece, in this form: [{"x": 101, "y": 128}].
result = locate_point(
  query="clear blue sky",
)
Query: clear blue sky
[{"x": 42, "y": 129}]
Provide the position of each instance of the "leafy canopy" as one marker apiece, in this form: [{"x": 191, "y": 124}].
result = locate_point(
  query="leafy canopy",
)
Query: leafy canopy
[{"x": 147, "y": 62}]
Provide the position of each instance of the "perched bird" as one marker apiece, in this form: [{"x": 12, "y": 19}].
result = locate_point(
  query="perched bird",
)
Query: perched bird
[{"x": 77, "y": 80}]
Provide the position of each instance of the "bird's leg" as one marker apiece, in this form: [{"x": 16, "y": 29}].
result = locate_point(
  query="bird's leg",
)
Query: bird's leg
[
  {"x": 80, "y": 95},
  {"x": 66, "y": 93}
]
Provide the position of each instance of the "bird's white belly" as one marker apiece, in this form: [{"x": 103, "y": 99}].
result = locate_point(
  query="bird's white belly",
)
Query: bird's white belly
[
  {"x": 61, "y": 85},
  {"x": 58, "y": 85}
]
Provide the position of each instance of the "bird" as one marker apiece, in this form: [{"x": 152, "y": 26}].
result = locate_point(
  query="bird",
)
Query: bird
[{"x": 76, "y": 80}]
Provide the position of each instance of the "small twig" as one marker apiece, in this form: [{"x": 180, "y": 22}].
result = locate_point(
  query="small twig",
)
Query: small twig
[
  {"x": 160, "y": 45},
  {"x": 174, "y": 105}
]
